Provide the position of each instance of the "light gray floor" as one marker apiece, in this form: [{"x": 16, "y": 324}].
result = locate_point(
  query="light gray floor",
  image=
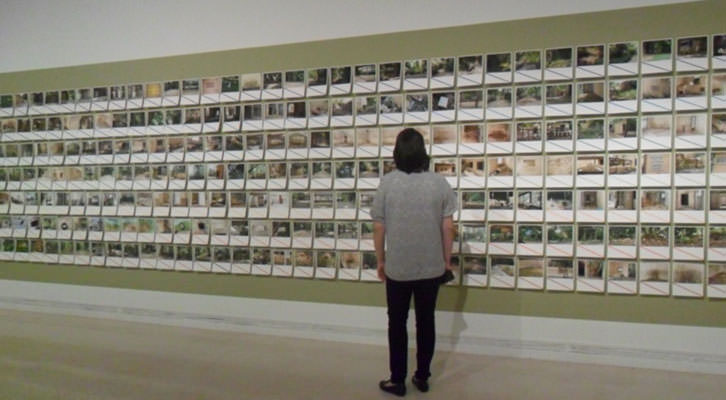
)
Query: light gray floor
[{"x": 48, "y": 356}]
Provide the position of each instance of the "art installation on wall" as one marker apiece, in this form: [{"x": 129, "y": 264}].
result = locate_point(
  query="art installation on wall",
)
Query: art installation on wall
[{"x": 598, "y": 168}]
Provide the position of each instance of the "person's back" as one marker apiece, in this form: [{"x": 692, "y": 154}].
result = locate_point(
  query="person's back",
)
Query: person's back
[{"x": 413, "y": 206}]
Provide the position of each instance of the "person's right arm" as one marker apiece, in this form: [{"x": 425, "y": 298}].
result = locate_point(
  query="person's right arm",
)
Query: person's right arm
[{"x": 447, "y": 238}]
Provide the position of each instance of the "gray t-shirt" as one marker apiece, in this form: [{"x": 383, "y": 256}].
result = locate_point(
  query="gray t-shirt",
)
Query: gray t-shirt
[{"x": 412, "y": 206}]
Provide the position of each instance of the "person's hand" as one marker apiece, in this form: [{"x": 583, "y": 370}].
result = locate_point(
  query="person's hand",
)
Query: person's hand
[
  {"x": 381, "y": 270},
  {"x": 450, "y": 267}
]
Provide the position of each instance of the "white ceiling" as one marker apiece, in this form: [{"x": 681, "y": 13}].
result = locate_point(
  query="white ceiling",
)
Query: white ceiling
[{"x": 37, "y": 34}]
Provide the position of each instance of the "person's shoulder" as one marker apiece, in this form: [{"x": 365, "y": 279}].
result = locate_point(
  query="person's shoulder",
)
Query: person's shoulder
[{"x": 438, "y": 179}]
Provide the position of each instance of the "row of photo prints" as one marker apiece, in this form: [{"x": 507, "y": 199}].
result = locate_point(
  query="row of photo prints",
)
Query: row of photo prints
[
  {"x": 653, "y": 278},
  {"x": 664, "y": 206},
  {"x": 624, "y": 96},
  {"x": 651, "y": 242},
  {"x": 629, "y": 133},
  {"x": 588, "y": 61},
  {"x": 589, "y": 170}
]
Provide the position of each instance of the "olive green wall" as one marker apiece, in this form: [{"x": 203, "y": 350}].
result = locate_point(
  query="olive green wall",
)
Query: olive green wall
[{"x": 704, "y": 17}]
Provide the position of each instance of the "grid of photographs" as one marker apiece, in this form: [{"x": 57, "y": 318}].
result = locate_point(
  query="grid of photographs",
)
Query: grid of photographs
[{"x": 596, "y": 168}]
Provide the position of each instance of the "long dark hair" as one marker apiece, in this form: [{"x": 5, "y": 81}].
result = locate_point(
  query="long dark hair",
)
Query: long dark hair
[{"x": 409, "y": 154}]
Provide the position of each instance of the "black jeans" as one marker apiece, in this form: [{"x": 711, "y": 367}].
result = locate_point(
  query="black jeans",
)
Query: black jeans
[{"x": 398, "y": 296}]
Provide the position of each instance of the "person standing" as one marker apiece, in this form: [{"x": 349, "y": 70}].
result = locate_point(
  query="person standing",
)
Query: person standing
[{"x": 413, "y": 234}]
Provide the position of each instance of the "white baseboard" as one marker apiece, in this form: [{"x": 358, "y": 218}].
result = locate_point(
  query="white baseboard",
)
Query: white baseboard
[{"x": 670, "y": 347}]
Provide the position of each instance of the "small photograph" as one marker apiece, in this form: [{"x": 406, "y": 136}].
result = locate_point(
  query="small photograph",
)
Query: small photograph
[
  {"x": 324, "y": 259},
  {"x": 418, "y": 102},
  {"x": 690, "y": 163},
  {"x": 719, "y": 45},
  {"x": 322, "y": 169},
  {"x": 171, "y": 89},
  {"x": 657, "y": 125},
  {"x": 560, "y": 268},
  {"x": 347, "y": 230},
  {"x": 341, "y": 106},
  {"x": 390, "y": 71},
  {"x": 281, "y": 229},
  {"x": 623, "y": 53},
  {"x": 499, "y": 132},
  {"x": 499, "y": 97},
  {"x": 501, "y": 200},
  {"x": 190, "y": 87},
  {"x": 345, "y": 200},
  {"x": 590, "y": 165},
  {"x": 528, "y": 60},
  {"x": 529, "y": 200},
  {"x": 345, "y": 169},
  {"x": 302, "y": 229},
  {"x": 716, "y": 274},
  {"x": 529, "y": 166},
  {"x": 559, "y": 94},
  {"x": 502, "y": 266},
  {"x": 499, "y": 62},
  {"x": 657, "y": 50},
  {"x": 691, "y": 86},
  {"x": 444, "y": 134},
  {"x": 319, "y": 108},
  {"x": 619, "y": 235},
  {"x": 718, "y": 124},
  {"x": 501, "y": 233},
  {"x": 590, "y": 234},
  {"x": 693, "y": 47},
  {"x": 470, "y": 134},
  {"x": 691, "y": 199},
  {"x": 254, "y": 141},
  {"x": 416, "y": 69},
  {"x": 277, "y": 170},
  {"x": 559, "y": 200},
  {"x": 591, "y": 129},
  {"x": 623, "y": 164},
  {"x": 558, "y": 58},
  {"x": 366, "y": 105},
  {"x": 470, "y": 65},
  {"x": 388, "y": 137},
  {"x": 272, "y": 111},
  {"x": 340, "y": 75},
  {"x": 365, "y": 73},
  {"x": 622, "y": 270},
  {"x": 230, "y": 84},
  {"x": 153, "y": 90},
  {"x": 473, "y": 167},
  {"x": 325, "y": 230},
  {"x": 717, "y": 236},
  {"x": 212, "y": 114},
  {"x": 559, "y": 130},
  {"x": 6, "y": 101},
  {"x": 120, "y": 120},
  {"x": 323, "y": 199},
  {"x": 257, "y": 171},
  {"x": 688, "y": 273},
  {"x": 272, "y": 80},
  {"x": 476, "y": 265},
  {"x": 621, "y": 128},
  {"x": 655, "y": 200},
  {"x": 590, "y": 55},
  {"x": 443, "y": 101},
  {"x": 623, "y": 90},
  {"x": 690, "y": 124},
  {"x": 470, "y": 99},
  {"x": 500, "y": 166},
  {"x": 529, "y": 234},
  {"x": 591, "y": 200},
  {"x": 531, "y": 267},
  {"x": 688, "y": 236},
  {"x": 442, "y": 67},
  {"x": 369, "y": 169},
  {"x": 391, "y": 104},
  {"x": 656, "y": 88},
  {"x": 529, "y": 131},
  {"x": 718, "y": 200},
  {"x": 529, "y": 96},
  {"x": 445, "y": 167},
  {"x": 261, "y": 256},
  {"x": 656, "y": 163},
  {"x": 590, "y": 92},
  {"x": 193, "y": 115},
  {"x": 654, "y": 271},
  {"x": 473, "y": 200},
  {"x": 656, "y": 236},
  {"x": 317, "y": 77}
]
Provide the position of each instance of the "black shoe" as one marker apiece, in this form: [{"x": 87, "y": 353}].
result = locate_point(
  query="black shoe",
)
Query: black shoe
[
  {"x": 421, "y": 384},
  {"x": 399, "y": 389}
]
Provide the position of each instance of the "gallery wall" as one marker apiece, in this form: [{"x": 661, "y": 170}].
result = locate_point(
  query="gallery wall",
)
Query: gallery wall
[{"x": 611, "y": 27}]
